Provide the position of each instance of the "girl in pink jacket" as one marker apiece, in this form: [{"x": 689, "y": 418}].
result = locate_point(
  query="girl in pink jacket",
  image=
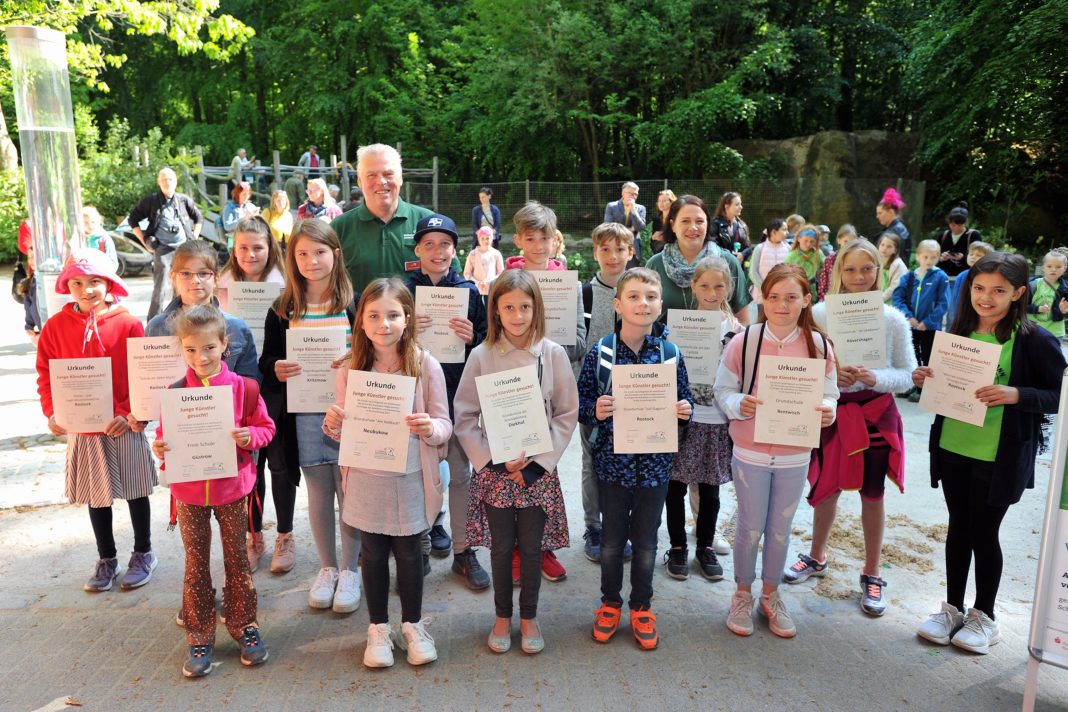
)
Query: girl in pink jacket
[{"x": 202, "y": 332}]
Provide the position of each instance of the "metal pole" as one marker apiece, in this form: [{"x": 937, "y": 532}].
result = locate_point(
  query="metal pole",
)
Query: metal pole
[
  {"x": 41, "y": 87},
  {"x": 202, "y": 180},
  {"x": 526, "y": 190},
  {"x": 346, "y": 188},
  {"x": 434, "y": 186},
  {"x": 277, "y": 160}
]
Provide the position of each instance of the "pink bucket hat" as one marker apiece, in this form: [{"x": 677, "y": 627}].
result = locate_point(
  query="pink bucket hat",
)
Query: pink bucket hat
[{"x": 88, "y": 262}]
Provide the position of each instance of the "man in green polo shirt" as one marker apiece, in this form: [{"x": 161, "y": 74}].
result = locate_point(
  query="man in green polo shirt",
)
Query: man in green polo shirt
[{"x": 377, "y": 237}]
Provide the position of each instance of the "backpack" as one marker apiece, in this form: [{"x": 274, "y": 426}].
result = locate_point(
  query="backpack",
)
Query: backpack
[
  {"x": 751, "y": 355},
  {"x": 606, "y": 359},
  {"x": 248, "y": 408}
]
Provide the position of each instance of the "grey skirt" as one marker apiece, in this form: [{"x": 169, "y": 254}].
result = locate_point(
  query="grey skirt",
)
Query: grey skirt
[
  {"x": 101, "y": 469},
  {"x": 704, "y": 456}
]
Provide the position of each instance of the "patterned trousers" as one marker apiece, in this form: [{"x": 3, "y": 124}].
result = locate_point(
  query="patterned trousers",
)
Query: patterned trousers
[{"x": 239, "y": 595}]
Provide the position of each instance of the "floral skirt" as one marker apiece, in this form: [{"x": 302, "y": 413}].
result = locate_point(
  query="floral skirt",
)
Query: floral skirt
[
  {"x": 493, "y": 488},
  {"x": 704, "y": 456}
]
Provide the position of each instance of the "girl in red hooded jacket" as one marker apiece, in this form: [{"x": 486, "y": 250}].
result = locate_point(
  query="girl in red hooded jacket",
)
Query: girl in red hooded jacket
[
  {"x": 113, "y": 462},
  {"x": 202, "y": 332}
]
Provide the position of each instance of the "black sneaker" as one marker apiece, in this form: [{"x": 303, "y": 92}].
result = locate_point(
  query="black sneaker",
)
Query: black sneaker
[
  {"x": 466, "y": 565},
  {"x": 592, "y": 547},
  {"x": 709, "y": 564},
  {"x": 677, "y": 561},
  {"x": 253, "y": 651},
  {"x": 872, "y": 601},
  {"x": 440, "y": 541},
  {"x": 426, "y": 565},
  {"x": 199, "y": 662}
]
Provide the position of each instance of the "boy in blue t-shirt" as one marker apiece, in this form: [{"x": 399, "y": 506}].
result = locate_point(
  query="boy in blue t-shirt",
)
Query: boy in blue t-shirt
[
  {"x": 923, "y": 297},
  {"x": 631, "y": 488}
]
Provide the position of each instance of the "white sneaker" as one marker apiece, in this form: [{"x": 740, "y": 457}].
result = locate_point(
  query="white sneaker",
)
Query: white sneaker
[
  {"x": 720, "y": 546},
  {"x": 740, "y": 619},
  {"x": 347, "y": 594},
  {"x": 939, "y": 627},
  {"x": 379, "y": 652},
  {"x": 417, "y": 641},
  {"x": 978, "y": 634},
  {"x": 779, "y": 619},
  {"x": 321, "y": 594}
]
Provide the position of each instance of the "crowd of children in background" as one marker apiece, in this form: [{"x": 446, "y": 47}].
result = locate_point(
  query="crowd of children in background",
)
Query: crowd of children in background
[{"x": 516, "y": 508}]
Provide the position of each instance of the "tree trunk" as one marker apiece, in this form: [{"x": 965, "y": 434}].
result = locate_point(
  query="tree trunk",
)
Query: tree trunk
[{"x": 9, "y": 155}]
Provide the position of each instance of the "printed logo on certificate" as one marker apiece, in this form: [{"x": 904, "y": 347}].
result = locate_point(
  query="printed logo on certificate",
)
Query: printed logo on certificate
[
  {"x": 699, "y": 336},
  {"x": 81, "y": 393},
  {"x": 791, "y": 390},
  {"x": 374, "y": 435},
  {"x": 644, "y": 417},
  {"x": 442, "y": 304},
  {"x": 856, "y": 326},
  {"x": 153, "y": 363},
  {"x": 559, "y": 294},
  {"x": 961, "y": 366},
  {"x": 313, "y": 391},
  {"x": 513, "y": 414},
  {"x": 198, "y": 425}
]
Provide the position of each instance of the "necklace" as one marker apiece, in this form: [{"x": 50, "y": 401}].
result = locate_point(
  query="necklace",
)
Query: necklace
[{"x": 383, "y": 367}]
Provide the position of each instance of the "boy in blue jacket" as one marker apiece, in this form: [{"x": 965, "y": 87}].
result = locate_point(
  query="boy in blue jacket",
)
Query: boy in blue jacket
[
  {"x": 435, "y": 246},
  {"x": 632, "y": 488},
  {"x": 923, "y": 297}
]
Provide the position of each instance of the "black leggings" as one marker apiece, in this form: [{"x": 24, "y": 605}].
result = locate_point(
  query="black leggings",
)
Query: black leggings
[
  {"x": 923, "y": 345},
  {"x": 708, "y": 512},
  {"x": 140, "y": 518},
  {"x": 283, "y": 492},
  {"x": 973, "y": 530},
  {"x": 408, "y": 553},
  {"x": 511, "y": 528}
]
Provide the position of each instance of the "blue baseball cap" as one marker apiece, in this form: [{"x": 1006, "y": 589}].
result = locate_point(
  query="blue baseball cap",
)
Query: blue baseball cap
[{"x": 436, "y": 223}]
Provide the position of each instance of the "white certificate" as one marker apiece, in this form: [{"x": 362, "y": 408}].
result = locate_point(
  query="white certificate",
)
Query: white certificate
[
  {"x": 961, "y": 366},
  {"x": 153, "y": 363},
  {"x": 250, "y": 302},
  {"x": 198, "y": 426},
  {"x": 314, "y": 349},
  {"x": 374, "y": 435},
  {"x": 856, "y": 326},
  {"x": 699, "y": 336},
  {"x": 442, "y": 304},
  {"x": 791, "y": 390},
  {"x": 644, "y": 416},
  {"x": 513, "y": 413},
  {"x": 559, "y": 294},
  {"x": 81, "y": 393}
]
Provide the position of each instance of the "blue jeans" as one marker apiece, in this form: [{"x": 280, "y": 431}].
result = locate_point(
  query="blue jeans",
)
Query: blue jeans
[{"x": 629, "y": 513}]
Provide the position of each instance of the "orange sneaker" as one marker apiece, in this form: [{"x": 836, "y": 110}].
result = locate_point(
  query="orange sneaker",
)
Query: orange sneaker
[
  {"x": 607, "y": 622},
  {"x": 643, "y": 625}
]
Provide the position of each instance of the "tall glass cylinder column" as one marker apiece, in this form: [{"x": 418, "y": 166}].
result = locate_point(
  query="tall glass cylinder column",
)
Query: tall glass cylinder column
[{"x": 49, "y": 154}]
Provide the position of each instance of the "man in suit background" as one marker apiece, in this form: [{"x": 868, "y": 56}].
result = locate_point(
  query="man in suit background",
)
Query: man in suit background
[{"x": 626, "y": 211}]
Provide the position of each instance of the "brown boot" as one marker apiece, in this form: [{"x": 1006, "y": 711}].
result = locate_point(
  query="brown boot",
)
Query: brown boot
[
  {"x": 285, "y": 554},
  {"x": 254, "y": 547}
]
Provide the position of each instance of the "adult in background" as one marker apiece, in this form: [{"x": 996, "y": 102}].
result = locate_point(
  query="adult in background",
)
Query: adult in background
[
  {"x": 954, "y": 241},
  {"x": 311, "y": 161},
  {"x": 627, "y": 212},
  {"x": 663, "y": 204},
  {"x": 687, "y": 241},
  {"x": 320, "y": 203},
  {"x": 486, "y": 214},
  {"x": 172, "y": 219},
  {"x": 279, "y": 217},
  {"x": 238, "y": 166},
  {"x": 886, "y": 212},
  {"x": 295, "y": 190},
  {"x": 728, "y": 229},
  {"x": 378, "y": 237},
  {"x": 238, "y": 207},
  {"x": 355, "y": 199}
]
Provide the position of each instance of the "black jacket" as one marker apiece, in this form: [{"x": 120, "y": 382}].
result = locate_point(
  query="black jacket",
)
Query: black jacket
[
  {"x": 476, "y": 314},
  {"x": 1037, "y": 371},
  {"x": 274, "y": 392},
  {"x": 151, "y": 206}
]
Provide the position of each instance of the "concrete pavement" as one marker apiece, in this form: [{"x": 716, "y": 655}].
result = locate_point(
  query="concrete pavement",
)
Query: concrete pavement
[{"x": 121, "y": 650}]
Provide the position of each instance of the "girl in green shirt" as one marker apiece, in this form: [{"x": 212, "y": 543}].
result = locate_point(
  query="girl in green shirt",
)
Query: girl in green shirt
[
  {"x": 807, "y": 255},
  {"x": 985, "y": 469}
]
